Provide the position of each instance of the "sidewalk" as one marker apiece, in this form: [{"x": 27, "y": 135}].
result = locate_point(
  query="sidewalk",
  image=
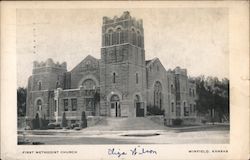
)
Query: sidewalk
[{"x": 86, "y": 131}]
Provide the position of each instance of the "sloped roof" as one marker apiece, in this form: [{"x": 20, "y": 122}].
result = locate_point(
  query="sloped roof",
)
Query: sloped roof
[
  {"x": 148, "y": 62},
  {"x": 85, "y": 59}
]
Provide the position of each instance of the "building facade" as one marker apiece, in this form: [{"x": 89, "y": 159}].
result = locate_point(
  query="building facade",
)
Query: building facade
[{"x": 120, "y": 84}]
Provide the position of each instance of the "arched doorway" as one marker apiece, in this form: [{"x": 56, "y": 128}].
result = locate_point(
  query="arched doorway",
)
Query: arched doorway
[
  {"x": 139, "y": 107},
  {"x": 115, "y": 109},
  {"x": 39, "y": 105}
]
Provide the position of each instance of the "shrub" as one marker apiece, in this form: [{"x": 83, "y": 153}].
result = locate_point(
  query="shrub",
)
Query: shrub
[
  {"x": 83, "y": 120},
  {"x": 53, "y": 125},
  {"x": 154, "y": 110},
  {"x": 177, "y": 122}
]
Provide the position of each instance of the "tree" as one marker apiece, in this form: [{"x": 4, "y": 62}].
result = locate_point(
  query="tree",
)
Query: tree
[
  {"x": 83, "y": 120},
  {"x": 21, "y": 101},
  {"x": 213, "y": 94},
  {"x": 64, "y": 120}
]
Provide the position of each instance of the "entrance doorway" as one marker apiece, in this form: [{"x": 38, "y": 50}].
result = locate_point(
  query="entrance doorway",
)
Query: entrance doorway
[
  {"x": 139, "y": 107},
  {"x": 115, "y": 109}
]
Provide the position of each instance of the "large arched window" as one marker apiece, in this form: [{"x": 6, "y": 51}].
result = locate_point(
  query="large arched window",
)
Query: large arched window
[
  {"x": 89, "y": 84},
  {"x": 39, "y": 105},
  {"x": 158, "y": 94}
]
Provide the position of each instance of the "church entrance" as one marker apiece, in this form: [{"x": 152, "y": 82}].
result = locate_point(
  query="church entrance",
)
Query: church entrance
[
  {"x": 139, "y": 107},
  {"x": 115, "y": 109}
]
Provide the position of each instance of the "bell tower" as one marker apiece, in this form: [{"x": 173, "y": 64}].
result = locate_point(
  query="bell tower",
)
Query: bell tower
[{"x": 122, "y": 67}]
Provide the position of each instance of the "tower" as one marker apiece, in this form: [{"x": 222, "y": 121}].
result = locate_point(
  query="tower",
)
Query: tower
[
  {"x": 46, "y": 77},
  {"x": 122, "y": 67}
]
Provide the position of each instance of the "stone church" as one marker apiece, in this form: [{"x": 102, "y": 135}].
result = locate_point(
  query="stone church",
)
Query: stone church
[{"x": 120, "y": 84}]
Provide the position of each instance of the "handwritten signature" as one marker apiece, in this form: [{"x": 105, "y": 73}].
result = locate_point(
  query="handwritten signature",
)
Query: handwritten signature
[{"x": 134, "y": 151}]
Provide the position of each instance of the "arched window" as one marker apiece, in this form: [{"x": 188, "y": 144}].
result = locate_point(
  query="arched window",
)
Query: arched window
[
  {"x": 110, "y": 33},
  {"x": 57, "y": 84},
  {"x": 118, "y": 36},
  {"x": 89, "y": 84},
  {"x": 114, "y": 77},
  {"x": 172, "y": 88},
  {"x": 158, "y": 94},
  {"x": 172, "y": 106},
  {"x": 133, "y": 37},
  {"x": 139, "y": 38},
  {"x": 39, "y": 85},
  {"x": 136, "y": 78},
  {"x": 39, "y": 105}
]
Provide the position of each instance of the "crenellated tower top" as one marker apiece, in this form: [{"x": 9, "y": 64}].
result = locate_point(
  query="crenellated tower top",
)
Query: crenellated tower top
[
  {"x": 49, "y": 65},
  {"x": 121, "y": 30}
]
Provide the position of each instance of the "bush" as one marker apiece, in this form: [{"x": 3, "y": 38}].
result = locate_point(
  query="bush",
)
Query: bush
[
  {"x": 53, "y": 125},
  {"x": 154, "y": 110},
  {"x": 177, "y": 122},
  {"x": 83, "y": 122},
  {"x": 203, "y": 121},
  {"x": 73, "y": 125}
]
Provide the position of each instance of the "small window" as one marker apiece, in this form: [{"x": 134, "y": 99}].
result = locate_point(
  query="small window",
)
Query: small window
[
  {"x": 114, "y": 76},
  {"x": 157, "y": 68},
  {"x": 66, "y": 104},
  {"x": 191, "y": 108},
  {"x": 136, "y": 77},
  {"x": 193, "y": 93},
  {"x": 74, "y": 104}
]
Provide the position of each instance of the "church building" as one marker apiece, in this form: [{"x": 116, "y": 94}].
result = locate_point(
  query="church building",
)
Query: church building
[{"x": 119, "y": 84}]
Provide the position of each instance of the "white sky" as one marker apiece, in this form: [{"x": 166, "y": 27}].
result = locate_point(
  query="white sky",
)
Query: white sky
[{"x": 192, "y": 38}]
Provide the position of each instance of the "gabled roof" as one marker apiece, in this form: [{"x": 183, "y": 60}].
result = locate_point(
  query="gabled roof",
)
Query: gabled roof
[
  {"x": 154, "y": 60},
  {"x": 89, "y": 57},
  {"x": 148, "y": 62}
]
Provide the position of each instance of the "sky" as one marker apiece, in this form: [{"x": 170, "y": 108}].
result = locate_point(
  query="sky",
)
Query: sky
[{"x": 192, "y": 38}]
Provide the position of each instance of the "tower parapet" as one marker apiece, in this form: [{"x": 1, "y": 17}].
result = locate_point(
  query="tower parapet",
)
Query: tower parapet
[
  {"x": 180, "y": 71},
  {"x": 125, "y": 16},
  {"x": 122, "y": 30},
  {"x": 49, "y": 65}
]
